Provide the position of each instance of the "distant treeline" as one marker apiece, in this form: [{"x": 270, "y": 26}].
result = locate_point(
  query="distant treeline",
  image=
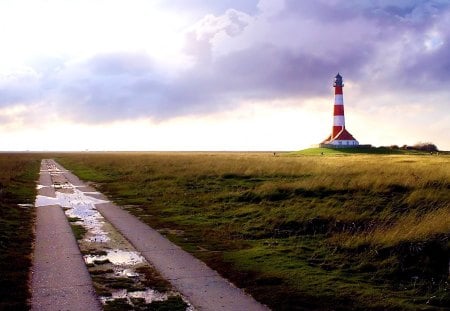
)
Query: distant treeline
[{"x": 422, "y": 146}]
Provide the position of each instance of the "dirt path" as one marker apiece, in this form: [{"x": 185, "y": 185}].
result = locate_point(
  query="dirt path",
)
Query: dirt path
[
  {"x": 203, "y": 287},
  {"x": 60, "y": 280}
]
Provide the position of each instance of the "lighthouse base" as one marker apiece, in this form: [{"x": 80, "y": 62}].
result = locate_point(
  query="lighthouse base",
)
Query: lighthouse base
[
  {"x": 333, "y": 146},
  {"x": 343, "y": 139}
]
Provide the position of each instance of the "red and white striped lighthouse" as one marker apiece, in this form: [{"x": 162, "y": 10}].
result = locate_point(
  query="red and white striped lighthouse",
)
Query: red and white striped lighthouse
[{"x": 339, "y": 137}]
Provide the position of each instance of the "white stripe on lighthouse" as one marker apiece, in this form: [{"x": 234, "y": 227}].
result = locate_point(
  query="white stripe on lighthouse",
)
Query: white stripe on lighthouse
[
  {"x": 339, "y": 121},
  {"x": 338, "y": 99}
]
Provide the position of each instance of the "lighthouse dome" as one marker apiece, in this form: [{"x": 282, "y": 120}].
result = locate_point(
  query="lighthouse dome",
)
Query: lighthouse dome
[{"x": 338, "y": 80}]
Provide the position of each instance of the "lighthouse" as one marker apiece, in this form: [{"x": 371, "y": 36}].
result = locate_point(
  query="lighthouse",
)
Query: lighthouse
[{"x": 340, "y": 137}]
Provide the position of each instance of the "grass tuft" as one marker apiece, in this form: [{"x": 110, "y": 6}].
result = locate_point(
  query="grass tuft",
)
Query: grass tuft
[{"x": 78, "y": 231}]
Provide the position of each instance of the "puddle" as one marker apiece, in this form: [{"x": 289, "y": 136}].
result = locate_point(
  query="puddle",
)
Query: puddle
[
  {"x": 148, "y": 295},
  {"x": 62, "y": 186},
  {"x": 117, "y": 257},
  {"x": 129, "y": 273},
  {"x": 25, "y": 205},
  {"x": 78, "y": 205},
  {"x": 42, "y": 200},
  {"x": 92, "y": 193}
]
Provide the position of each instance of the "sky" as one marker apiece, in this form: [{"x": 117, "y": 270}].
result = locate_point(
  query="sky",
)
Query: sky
[{"x": 221, "y": 74}]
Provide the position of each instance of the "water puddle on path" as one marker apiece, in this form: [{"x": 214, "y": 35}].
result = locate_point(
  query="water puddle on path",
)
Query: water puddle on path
[
  {"x": 117, "y": 257},
  {"x": 123, "y": 279}
]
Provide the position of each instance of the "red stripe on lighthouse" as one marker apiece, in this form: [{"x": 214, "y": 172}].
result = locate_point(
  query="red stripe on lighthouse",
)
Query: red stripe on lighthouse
[
  {"x": 338, "y": 113},
  {"x": 338, "y": 110},
  {"x": 336, "y": 131}
]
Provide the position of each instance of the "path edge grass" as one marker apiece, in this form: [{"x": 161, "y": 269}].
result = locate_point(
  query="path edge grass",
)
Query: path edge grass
[{"x": 18, "y": 178}]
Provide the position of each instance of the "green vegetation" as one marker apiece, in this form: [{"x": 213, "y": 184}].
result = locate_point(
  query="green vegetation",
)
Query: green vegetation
[
  {"x": 74, "y": 219},
  {"x": 356, "y": 232},
  {"x": 78, "y": 231},
  {"x": 360, "y": 150},
  {"x": 18, "y": 175},
  {"x": 153, "y": 279},
  {"x": 173, "y": 303}
]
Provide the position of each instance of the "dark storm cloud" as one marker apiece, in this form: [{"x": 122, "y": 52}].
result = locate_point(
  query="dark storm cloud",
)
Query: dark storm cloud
[
  {"x": 109, "y": 87},
  {"x": 411, "y": 12},
  {"x": 267, "y": 71},
  {"x": 390, "y": 23},
  {"x": 259, "y": 72},
  {"x": 401, "y": 46}
]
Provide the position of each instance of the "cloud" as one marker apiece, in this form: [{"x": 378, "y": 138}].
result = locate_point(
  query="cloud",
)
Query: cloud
[
  {"x": 200, "y": 37},
  {"x": 258, "y": 51},
  {"x": 21, "y": 85}
]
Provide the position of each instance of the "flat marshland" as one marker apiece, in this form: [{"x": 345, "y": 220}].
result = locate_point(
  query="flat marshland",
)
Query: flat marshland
[{"x": 297, "y": 232}]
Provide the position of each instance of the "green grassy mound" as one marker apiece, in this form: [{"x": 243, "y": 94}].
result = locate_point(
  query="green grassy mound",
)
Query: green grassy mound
[{"x": 362, "y": 150}]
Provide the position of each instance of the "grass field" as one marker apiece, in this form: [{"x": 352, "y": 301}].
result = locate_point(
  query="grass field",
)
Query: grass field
[
  {"x": 298, "y": 232},
  {"x": 363, "y": 151},
  {"x": 18, "y": 175}
]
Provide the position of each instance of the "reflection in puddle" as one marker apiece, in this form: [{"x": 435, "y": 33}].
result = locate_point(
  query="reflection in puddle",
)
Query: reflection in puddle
[
  {"x": 42, "y": 200},
  {"x": 116, "y": 257},
  {"x": 78, "y": 205},
  {"x": 81, "y": 206},
  {"x": 149, "y": 295},
  {"x": 128, "y": 273},
  {"x": 62, "y": 186},
  {"x": 92, "y": 193}
]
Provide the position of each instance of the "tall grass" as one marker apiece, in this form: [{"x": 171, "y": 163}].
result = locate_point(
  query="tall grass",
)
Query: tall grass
[
  {"x": 409, "y": 228},
  {"x": 18, "y": 174},
  {"x": 268, "y": 222}
]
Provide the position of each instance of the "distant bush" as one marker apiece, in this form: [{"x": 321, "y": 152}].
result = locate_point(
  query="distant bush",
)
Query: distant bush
[
  {"x": 421, "y": 146},
  {"x": 426, "y": 146}
]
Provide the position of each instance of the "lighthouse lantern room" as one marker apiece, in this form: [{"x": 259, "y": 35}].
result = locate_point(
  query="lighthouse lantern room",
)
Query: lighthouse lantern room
[{"x": 339, "y": 137}]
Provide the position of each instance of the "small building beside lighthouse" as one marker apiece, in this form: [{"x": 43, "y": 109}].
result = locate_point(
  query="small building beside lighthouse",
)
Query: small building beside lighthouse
[{"x": 339, "y": 137}]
